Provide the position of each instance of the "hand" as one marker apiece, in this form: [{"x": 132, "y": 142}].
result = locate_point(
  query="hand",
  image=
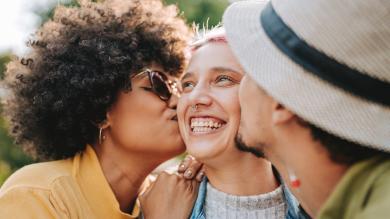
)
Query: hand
[
  {"x": 170, "y": 196},
  {"x": 189, "y": 168}
]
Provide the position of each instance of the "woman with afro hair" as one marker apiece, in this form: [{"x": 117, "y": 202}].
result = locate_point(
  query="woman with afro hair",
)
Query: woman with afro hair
[{"x": 95, "y": 100}]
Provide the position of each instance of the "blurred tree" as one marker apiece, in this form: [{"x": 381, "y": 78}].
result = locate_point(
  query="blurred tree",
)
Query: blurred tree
[
  {"x": 201, "y": 11},
  {"x": 11, "y": 156},
  {"x": 47, "y": 14},
  {"x": 3, "y": 60}
]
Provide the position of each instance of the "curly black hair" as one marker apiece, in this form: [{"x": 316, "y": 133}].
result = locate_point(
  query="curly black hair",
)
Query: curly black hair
[{"x": 79, "y": 62}]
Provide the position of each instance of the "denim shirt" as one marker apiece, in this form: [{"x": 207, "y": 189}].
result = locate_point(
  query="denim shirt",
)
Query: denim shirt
[{"x": 293, "y": 209}]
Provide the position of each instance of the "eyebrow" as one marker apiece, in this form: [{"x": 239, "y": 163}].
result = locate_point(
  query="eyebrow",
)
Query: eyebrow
[
  {"x": 224, "y": 69},
  {"x": 187, "y": 75}
]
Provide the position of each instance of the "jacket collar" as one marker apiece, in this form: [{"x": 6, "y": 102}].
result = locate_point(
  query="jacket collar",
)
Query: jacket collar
[{"x": 89, "y": 175}]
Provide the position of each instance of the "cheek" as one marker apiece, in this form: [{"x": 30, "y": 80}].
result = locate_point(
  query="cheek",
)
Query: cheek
[
  {"x": 229, "y": 102},
  {"x": 245, "y": 111},
  {"x": 132, "y": 125},
  {"x": 132, "y": 122},
  {"x": 182, "y": 105},
  {"x": 246, "y": 108},
  {"x": 231, "y": 105}
]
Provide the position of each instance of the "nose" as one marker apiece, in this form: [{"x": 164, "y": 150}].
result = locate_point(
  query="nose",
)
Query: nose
[{"x": 200, "y": 96}]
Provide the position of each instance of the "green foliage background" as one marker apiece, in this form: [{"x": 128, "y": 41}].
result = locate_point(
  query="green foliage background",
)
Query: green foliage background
[{"x": 202, "y": 12}]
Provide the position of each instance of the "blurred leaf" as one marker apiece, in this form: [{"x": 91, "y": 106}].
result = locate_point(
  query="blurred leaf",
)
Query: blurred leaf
[
  {"x": 201, "y": 11},
  {"x": 48, "y": 14},
  {"x": 3, "y": 61},
  {"x": 11, "y": 156},
  {"x": 5, "y": 171}
]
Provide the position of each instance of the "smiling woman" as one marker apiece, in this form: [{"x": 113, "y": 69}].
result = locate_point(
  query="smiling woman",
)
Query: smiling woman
[
  {"x": 95, "y": 95},
  {"x": 211, "y": 85},
  {"x": 237, "y": 183}
]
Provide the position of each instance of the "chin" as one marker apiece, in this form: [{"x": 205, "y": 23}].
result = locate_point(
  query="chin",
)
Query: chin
[{"x": 204, "y": 152}]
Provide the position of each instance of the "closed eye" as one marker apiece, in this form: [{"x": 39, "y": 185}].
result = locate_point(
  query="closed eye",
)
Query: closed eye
[{"x": 147, "y": 89}]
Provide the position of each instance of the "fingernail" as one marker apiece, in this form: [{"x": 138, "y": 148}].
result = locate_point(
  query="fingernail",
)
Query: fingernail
[
  {"x": 187, "y": 158},
  {"x": 181, "y": 167},
  {"x": 201, "y": 175},
  {"x": 188, "y": 173}
]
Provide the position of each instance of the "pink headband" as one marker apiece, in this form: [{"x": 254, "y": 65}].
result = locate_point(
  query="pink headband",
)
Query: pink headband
[{"x": 202, "y": 42}]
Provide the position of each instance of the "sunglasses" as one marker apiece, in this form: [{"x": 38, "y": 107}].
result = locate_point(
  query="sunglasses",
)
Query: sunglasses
[{"x": 161, "y": 85}]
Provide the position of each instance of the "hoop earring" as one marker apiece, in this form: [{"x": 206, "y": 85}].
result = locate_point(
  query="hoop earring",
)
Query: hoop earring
[{"x": 101, "y": 136}]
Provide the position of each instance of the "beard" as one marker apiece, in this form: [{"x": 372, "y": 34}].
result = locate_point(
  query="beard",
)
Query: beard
[{"x": 255, "y": 150}]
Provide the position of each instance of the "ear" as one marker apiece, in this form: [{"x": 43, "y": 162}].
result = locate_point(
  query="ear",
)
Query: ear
[
  {"x": 107, "y": 122},
  {"x": 104, "y": 124},
  {"x": 280, "y": 114}
]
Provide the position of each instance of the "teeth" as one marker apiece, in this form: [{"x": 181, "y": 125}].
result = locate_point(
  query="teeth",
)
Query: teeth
[
  {"x": 204, "y": 124},
  {"x": 201, "y": 129}
]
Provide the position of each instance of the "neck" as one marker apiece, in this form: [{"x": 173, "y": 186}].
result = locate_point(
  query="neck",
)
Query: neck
[
  {"x": 318, "y": 184},
  {"x": 125, "y": 172},
  {"x": 243, "y": 174},
  {"x": 311, "y": 163}
]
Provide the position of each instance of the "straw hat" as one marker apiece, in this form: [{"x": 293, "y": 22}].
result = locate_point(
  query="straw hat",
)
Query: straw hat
[{"x": 326, "y": 60}]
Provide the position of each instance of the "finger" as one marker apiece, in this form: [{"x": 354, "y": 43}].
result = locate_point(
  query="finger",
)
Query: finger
[
  {"x": 167, "y": 180},
  {"x": 171, "y": 170},
  {"x": 185, "y": 164},
  {"x": 196, "y": 185},
  {"x": 200, "y": 175},
  {"x": 192, "y": 170},
  {"x": 192, "y": 186},
  {"x": 152, "y": 177}
]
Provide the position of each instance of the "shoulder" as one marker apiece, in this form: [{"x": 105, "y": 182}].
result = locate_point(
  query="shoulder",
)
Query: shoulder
[
  {"x": 40, "y": 176},
  {"x": 380, "y": 181},
  {"x": 380, "y": 189},
  {"x": 38, "y": 189},
  {"x": 377, "y": 197}
]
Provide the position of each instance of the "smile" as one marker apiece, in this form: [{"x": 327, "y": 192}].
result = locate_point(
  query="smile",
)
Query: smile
[{"x": 205, "y": 125}]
